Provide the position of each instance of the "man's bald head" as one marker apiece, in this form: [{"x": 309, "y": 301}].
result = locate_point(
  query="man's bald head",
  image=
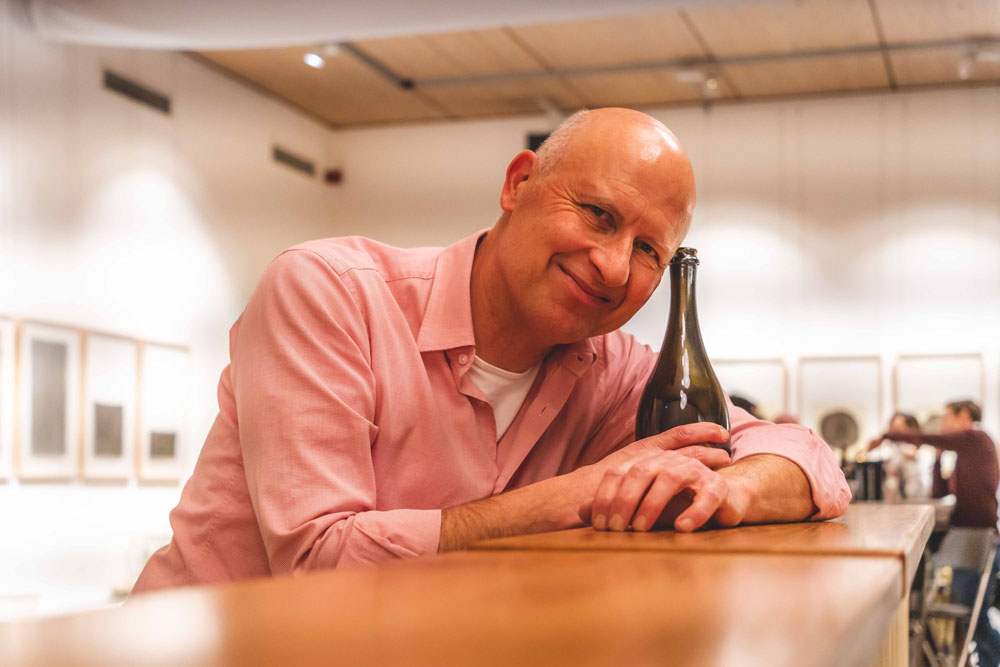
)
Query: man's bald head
[{"x": 628, "y": 135}]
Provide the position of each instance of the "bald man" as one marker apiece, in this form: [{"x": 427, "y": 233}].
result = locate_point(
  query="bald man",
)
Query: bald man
[{"x": 384, "y": 403}]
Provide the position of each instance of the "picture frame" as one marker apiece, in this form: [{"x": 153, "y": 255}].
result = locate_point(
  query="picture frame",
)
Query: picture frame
[
  {"x": 164, "y": 412},
  {"x": 8, "y": 357},
  {"x": 924, "y": 383},
  {"x": 762, "y": 381},
  {"x": 842, "y": 390},
  {"x": 111, "y": 372},
  {"x": 49, "y": 387}
]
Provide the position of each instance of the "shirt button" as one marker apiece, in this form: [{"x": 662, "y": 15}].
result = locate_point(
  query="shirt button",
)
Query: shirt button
[{"x": 463, "y": 359}]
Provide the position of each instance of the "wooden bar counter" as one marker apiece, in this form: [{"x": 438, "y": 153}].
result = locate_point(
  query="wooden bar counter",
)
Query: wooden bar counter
[{"x": 524, "y": 606}]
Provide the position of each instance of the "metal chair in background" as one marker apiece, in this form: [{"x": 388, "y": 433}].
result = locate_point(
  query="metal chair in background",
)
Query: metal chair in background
[{"x": 950, "y": 625}]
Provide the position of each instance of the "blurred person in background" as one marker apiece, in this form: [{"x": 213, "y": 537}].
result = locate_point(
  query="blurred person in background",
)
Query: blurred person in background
[
  {"x": 974, "y": 481},
  {"x": 901, "y": 457},
  {"x": 974, "y": 485},
  {"x": 746, "y": 404}
]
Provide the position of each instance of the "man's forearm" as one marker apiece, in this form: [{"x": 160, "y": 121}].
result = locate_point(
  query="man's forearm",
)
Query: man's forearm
[
  {"x": 776, "y": 488},
  {"x": 551, "y": 504}
]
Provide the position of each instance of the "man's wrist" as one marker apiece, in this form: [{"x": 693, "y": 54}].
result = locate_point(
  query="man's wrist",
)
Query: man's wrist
[
  {"x": 770, "y": 488},
  {"x": 552, "y": 504},
  {"x": 743, "y": 494}
]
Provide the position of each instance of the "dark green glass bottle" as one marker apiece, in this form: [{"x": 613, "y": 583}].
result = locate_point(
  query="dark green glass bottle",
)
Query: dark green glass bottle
[{"x": 683, "y": 388}]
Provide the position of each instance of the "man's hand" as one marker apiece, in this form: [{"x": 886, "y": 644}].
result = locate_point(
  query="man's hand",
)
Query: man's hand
[
  {"x": 662, "y": 489},
  {"x": 664, "y": 472}
]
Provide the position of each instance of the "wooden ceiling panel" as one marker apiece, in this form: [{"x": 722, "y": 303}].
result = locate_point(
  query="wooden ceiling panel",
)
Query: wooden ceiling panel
[
  {"x": 452, "y": 54},
  {"x": 659, "y": 86},
  {"x": 809, "y": 75},
  {"x": 611, "y": 41},
  {"x": 789, "y": 25},
  {"x": 923, "y": 20},
  {"x": 505, "y": 97},
  {"x": 928, "y": 66},
  {"x": 344, "y": 92}
]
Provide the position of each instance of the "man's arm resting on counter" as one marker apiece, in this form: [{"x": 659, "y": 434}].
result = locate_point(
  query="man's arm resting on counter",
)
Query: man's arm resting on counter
[
  {"x": 541, "y": 507},
  {"x": 762, "y": 488}
]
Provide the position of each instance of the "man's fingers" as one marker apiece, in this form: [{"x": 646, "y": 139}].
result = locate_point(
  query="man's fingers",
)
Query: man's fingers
[
  {"x": 707, "y": 499},
  {"x": 633, "y": 487},
  {"x": 689, "y": 434},
  {"x": 711, "y": 457},
  {"x": 665, "y": 487},
  {"x": 607, "y": 489}
]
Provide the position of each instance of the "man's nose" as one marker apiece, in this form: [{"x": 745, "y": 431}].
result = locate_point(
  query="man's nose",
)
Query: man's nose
[{"x": 613, "y": 259}]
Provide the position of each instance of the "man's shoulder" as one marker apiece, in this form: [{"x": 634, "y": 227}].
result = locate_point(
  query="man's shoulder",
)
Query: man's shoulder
[
  {"x": 981, "y": 436},
  {"x": 358, "y": 253},
  {"x": 617, "y": 349}
]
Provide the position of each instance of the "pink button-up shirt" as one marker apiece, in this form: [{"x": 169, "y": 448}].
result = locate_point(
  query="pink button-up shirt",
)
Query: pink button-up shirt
[{"x": 347, "y": 421}]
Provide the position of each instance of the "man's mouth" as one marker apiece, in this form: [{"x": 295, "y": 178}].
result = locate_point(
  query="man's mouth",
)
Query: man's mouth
[{"x": 592, "y": 292}]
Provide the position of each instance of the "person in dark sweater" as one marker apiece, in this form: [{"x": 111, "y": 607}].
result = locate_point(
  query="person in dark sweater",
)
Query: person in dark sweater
[{"x": 974, "y": 483}]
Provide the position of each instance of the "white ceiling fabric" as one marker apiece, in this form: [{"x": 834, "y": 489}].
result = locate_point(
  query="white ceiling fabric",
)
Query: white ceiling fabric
[{"x": 242, "y": 24}]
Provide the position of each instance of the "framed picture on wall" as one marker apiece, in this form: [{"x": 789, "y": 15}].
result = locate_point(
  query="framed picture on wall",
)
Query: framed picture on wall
[
  {"x": 764, "y": 382},
  {"x": 111, "y": 371},
  {"x": 49, "y": 400},
  {"x": 923, "y": 384},
  {"x": 164, "y": 391},
  {"x": 841, "y": 398},
  {"x": 7, "y": 357}
]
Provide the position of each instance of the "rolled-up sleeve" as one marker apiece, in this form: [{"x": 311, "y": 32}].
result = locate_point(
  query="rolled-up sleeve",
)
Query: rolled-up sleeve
[
  {"x": 305, "y": 405},
  {"x": 798, "y": 444}
]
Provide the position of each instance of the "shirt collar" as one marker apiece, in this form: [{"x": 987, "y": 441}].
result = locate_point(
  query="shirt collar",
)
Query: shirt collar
[{"x": 447, "y": 322}]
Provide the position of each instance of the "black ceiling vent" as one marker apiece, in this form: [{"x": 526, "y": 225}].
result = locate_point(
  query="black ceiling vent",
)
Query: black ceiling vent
[
  {"x": 136, "y": 91},
  {"x": 294, "y": 161},
  {"x": 535, "y": 140}
]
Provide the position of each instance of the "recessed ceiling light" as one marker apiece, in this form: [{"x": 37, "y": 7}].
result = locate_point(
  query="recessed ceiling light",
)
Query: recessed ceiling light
[
  {"x": 314, "y": 60},
  {"x": 966, "y": 64},
  {"x": 711, "y": 83}
]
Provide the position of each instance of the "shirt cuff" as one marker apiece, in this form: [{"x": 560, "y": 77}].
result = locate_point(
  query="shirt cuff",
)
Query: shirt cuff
[{"x": 830, "y": 493}]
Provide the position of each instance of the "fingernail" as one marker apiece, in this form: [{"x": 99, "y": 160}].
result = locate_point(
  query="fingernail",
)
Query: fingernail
[
  {"x": 639, "y": 523},
  {"x": 616, "y": 522},
  {"x": 600, "y": 522}
]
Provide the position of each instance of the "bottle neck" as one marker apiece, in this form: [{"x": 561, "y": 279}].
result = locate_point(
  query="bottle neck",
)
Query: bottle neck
[{"x": 683, "y": 307}]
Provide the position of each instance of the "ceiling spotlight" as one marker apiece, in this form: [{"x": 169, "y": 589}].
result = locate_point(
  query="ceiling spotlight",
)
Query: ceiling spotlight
[
  {"x": 966, "y": 64},
  {"x": 711, "y": 84},
  {"x": 314, "y": 60}
]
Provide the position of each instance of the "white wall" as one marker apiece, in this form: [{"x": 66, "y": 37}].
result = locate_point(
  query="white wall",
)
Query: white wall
[
  {"x": 838, "y": 226},
  {"x": 118, "y": 218}
]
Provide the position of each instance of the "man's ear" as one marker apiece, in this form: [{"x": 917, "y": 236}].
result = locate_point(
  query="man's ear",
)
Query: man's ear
[{"x": 518, "y": 171}]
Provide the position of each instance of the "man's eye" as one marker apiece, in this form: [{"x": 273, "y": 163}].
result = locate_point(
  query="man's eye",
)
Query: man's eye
[
  {"x": 646, "y": 248},
  {"x": 596, "y": 210}
]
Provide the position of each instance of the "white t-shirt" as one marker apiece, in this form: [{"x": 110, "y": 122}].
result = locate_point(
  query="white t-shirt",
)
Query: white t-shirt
[{"x": 503, "y": 389}]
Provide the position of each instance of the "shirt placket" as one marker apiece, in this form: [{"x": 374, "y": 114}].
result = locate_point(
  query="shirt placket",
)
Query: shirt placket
[{"x": 460, "y": 359}]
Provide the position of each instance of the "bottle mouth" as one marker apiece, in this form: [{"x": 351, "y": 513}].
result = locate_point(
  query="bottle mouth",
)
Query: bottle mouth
[{"x": 685, "y": 256}]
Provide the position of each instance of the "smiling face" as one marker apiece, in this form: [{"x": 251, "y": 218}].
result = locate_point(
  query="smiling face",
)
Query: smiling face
[{"x": 583, "y": 245}]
